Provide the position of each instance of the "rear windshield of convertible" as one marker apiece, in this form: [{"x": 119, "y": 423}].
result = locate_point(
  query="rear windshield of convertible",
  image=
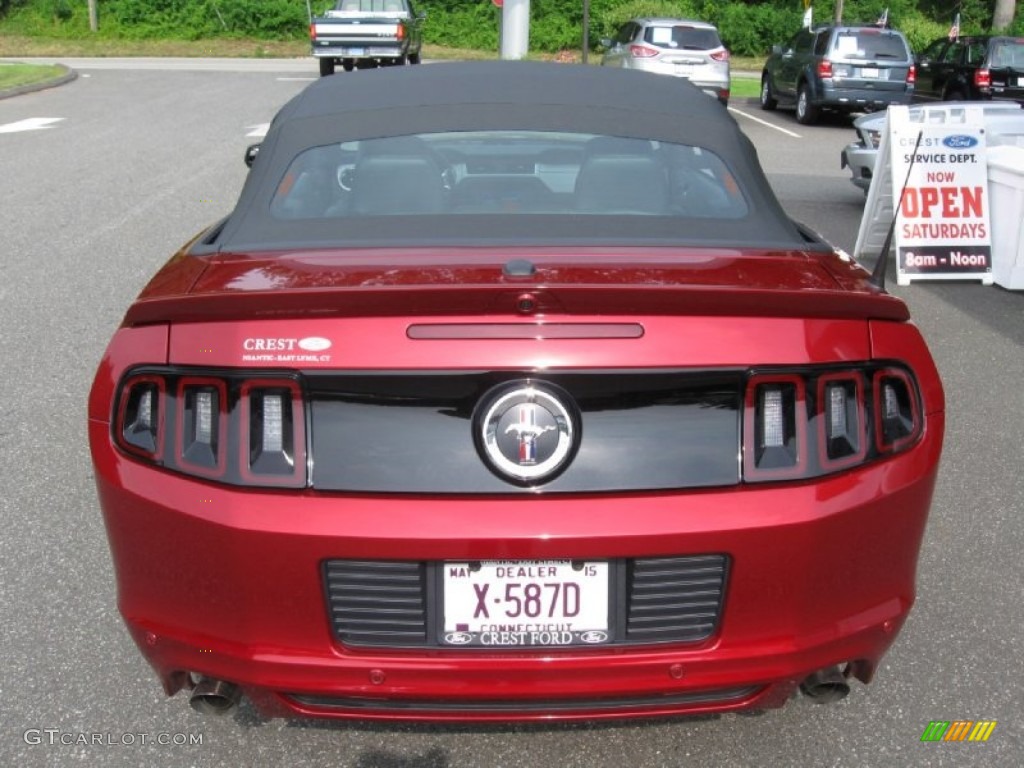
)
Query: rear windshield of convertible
[{"x": 507, "y": 172}]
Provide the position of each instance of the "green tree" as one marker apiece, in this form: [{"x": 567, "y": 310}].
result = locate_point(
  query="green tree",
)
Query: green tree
[{"x": 6, "y": 5}]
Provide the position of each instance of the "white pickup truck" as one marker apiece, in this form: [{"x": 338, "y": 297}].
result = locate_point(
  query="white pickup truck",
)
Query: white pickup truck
[{"x": 367, "y": 33}]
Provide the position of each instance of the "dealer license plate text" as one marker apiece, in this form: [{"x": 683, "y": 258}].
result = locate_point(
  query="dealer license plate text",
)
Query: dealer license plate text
[{"x": 503, "y": 603}]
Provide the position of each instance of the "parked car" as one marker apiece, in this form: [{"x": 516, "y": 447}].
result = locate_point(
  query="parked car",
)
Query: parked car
[
  {"x": 493, "y": 402},
  {"x": 680, "y": 47},
  {"x": 1004, "y": 124},
  {"x": 845, "y": 68},
  {"x": 971, "y": 68},
  {"x": 367, "y": 33}
]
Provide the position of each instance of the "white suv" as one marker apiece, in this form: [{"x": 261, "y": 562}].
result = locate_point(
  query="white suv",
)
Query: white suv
[{"x": 680, "y": 47}]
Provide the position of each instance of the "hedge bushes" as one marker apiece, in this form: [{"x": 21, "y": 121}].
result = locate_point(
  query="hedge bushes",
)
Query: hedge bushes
[{"x": 748, "y": 27}]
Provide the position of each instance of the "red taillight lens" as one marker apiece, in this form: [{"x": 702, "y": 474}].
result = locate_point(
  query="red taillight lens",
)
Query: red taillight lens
[
  {"x": 400, "y": 32},
  {"x": 140, "y": 423},
  {"x": 809, "y": 423},
  {"x": 841, "y": 431},
  {"x": 230, "y": 428},
  {"x": 642, "y": 52},
  {"x": 312, "y": 31},
  {"x": 897, "y": 415},
  {"x": 912, "y": 75},
  {"x": 825, "y": 68},
  {"x": 722, "y": 55},
  {"x": 775, "y": 444},
  {"x": 982, "y": 78},
  {"x": 200, "y": 431},
  {"x": 273, "y": 439}
]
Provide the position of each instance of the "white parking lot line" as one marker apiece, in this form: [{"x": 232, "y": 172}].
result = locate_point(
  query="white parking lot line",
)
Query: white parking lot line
[
  {"x": 29, "y": 124},
  {"x": 764, "y": 123}
]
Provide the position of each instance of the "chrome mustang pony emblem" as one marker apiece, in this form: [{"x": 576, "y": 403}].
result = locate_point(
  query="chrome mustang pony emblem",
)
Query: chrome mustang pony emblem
[{"x": 527, "y": 431}]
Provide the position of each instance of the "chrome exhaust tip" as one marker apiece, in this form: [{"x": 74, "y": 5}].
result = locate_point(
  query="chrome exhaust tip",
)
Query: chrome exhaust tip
[
  {"x": 826, "y": 686},
  {"x": 214, "y": 697}
]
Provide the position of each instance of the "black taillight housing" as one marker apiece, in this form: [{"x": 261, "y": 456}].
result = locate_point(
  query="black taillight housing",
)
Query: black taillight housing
[
  {"x": 250, "y": 428},
  {"x": 775, "y": 428},
  {"x": 273, "y": 433},
  {"x": 201, "y": 426},
  {"x": 140, "y": 418},
  {"x": 897, "y": 419},
  {"x": 228, "y": 427},
  {"x": 810, "y": 422},
  {"x": 842, "y": 427}
]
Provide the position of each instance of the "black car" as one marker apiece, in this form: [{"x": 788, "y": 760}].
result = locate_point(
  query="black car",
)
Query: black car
[
  {"x": 845, "y": 68},
  {"x": 977, "y": 67}
]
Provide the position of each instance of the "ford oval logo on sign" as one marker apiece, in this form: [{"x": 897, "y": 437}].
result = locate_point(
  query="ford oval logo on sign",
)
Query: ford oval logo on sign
[
  {"x": 314, "y": 344},
  {"x": 960, "y": 142},
  {"x": 458, "y": 638},
  {"x": 594, "y": 636}
]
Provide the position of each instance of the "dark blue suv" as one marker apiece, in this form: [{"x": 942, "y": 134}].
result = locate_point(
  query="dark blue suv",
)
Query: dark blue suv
[{"x": 845, "y": 68}]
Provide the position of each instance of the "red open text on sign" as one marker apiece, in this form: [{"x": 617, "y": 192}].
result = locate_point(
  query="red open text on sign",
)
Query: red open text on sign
[
  {"x": 505, "y": 603},
  {"x": 942, "y": 228}
]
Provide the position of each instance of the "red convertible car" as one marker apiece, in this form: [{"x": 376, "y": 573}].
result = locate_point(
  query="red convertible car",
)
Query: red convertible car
[{"x": 508, "y": 391}]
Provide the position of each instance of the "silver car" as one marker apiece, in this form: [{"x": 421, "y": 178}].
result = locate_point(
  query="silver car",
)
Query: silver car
[
  {"x": 1004, "y": 124},
  {"x": 679, "y": 47}
]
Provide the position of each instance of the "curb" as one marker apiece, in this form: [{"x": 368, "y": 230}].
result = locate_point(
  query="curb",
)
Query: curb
[{"x": 67, "y": 77}]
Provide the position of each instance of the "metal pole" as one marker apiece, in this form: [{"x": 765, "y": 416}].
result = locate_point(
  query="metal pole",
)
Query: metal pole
[
  {"x": 93, "y": 24},
  {"x": 586, "y": 29},
  {"x": 515, "y": 29}
]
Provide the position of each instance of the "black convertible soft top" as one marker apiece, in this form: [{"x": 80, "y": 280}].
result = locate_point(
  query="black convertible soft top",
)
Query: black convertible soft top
[{"x": 480, "y": 96}]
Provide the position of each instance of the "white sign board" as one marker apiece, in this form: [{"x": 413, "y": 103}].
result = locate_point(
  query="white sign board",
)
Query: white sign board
[{"x": 942, "y": 224}]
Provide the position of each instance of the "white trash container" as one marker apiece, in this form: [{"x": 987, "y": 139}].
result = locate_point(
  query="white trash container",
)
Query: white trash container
[{"x": 1006, "y": 197}]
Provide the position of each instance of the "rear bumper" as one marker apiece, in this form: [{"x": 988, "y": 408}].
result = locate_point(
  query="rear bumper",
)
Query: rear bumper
[
  {"x": 227, "y": 583},
  {"x": 375, "y": 50},
  {"x": 715, "y": 83},
  {"x": 862, "y": 99}
]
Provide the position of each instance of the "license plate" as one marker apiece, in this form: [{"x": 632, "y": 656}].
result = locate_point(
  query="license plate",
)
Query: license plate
[
  {"x": 869, "y": 73},
  {"x": 506, "y": 603},
  {"x": 355, "y": 52}
]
